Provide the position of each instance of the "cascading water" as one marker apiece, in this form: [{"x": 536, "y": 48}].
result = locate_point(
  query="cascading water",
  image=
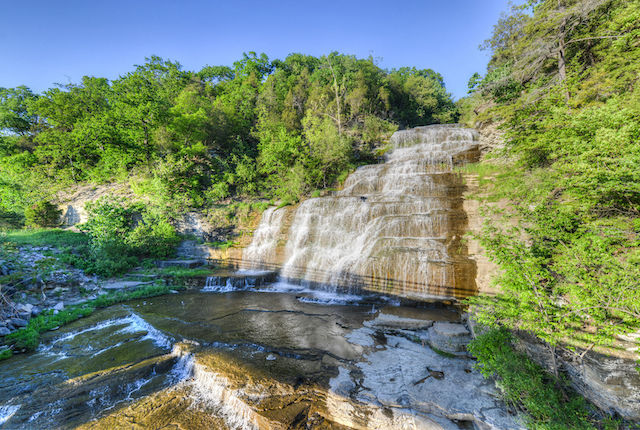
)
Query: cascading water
[
  {"x": 395, "y": 227},
  {"x": 265, "y": 240}
]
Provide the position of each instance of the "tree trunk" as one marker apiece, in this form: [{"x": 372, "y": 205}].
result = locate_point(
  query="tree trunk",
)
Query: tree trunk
[
  {"x": 562, "y": 64},
  {"x": 335, "y": 88}
]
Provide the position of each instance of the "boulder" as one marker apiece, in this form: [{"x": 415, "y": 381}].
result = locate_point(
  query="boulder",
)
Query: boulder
[
  {"x": 19, "y": 322},
  {"x": 24, "y": 308},
  {"x": 4, "y": 331},
  {"x": 449, "y": 337}
]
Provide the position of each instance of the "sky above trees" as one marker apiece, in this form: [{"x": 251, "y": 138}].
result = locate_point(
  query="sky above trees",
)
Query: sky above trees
[{"x": 44, "y": 42}]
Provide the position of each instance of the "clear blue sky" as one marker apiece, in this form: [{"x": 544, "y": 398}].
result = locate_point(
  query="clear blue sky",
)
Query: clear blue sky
[{"x": 44, "y": 42}]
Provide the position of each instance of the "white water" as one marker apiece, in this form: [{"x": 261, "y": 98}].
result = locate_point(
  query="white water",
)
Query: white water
[
  {"x": 213, "y": 285},
  {"x": 131, "y": 323},
  {"x": 7, "y": 411},
  {"x": 263, "y": 248},
  {"x": 394, "y": 227},
  {"x": 214, "y": 391}
]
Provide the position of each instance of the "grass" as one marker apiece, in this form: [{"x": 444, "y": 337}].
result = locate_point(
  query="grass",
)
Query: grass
[
  {"x": 55, "y": 237},
  {"x": 182, "y": 272},
  {"x": 221, "y": 245},
  {"x": 28, "y": 338}
]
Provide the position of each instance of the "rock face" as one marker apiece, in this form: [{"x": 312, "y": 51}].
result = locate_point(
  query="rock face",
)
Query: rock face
[
  {"x": 610, "y": 379},
  {"x": 414, "y": 386},
  {"x": 72, "y": 203}
]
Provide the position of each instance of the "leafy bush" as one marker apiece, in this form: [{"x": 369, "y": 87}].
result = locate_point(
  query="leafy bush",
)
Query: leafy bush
[
  {"x": 121, "y": 235},
  {"x": 42, "y": 214},
  {"x": 154, "y": 236}
]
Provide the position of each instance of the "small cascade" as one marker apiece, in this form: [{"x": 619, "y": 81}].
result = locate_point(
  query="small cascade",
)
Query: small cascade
[
  {"x": 214, "y": 391},
  {"x": 217, "y": 284},
  {"x": 7, "y": 411},
  {"x": 395, "y": 227}
]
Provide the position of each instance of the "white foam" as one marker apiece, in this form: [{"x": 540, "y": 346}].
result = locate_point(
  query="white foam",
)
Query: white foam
[
  {"x": 139, "y": 324},
  {"x": 131, "y": 324},
  {"x": 7, "y": 411},
  {"x": 183, "y": 369},
  {"x": 212, "y": 286}
]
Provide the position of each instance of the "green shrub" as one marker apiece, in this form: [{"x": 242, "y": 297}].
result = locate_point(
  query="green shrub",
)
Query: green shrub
[
  {"x": 42, "y": 214},
  {"x": 154, "y": 236},
  {"x": 5, "y": 353},
  {"x": 119, "y": 238},
  {"x": 547, "y": 402}
]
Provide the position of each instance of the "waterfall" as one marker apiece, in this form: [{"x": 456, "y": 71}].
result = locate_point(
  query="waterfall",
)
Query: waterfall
[
  {"x": 395, "y": 227},
  {"x": 260, "y": 254}
]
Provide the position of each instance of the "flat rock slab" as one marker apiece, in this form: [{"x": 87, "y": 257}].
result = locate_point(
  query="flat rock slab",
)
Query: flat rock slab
[
  {"x": 123, "y": 285},
  {"x": 449, "y": 337},
  {"x": 450, "y": 329},
  {"x": 420, "y": 388},
  {"x": 187, "y": 264},
  {"x": 399, "y": 323}
]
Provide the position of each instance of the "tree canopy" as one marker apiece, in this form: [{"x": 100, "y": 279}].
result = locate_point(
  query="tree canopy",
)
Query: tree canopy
[{"x": 273, "y": 128}]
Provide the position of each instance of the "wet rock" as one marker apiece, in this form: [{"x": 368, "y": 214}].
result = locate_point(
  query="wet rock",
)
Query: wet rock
[
  {"x": 387, "y": 321},
  {"x": 449, "y": 337},
  {"x": 187, "y": 264},
  {"x": 24, "y": 308},
  {"x": 406, "y": 381},
  {"x": 19, "y": 322},
  {"x": 123, "y": 285}
]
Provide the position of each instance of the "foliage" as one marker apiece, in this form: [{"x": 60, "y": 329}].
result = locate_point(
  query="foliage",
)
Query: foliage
[
  {"x": 5, "y": 353},
  {"x": 547, "y": 402},
  {"x": 186, "y": 139},
  {"x": 42, "y": 214},
  {"x": 120, "y": 235},
  {"x": 568, "y": 244}
]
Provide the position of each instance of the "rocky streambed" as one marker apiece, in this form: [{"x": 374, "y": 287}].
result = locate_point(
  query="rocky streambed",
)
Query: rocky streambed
[{"x": 271, "y": 356}]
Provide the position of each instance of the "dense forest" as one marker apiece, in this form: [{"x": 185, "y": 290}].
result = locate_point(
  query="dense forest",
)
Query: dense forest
[
  {"x": 563, "y": 86},
  {"x": 277, "y": 129}
]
